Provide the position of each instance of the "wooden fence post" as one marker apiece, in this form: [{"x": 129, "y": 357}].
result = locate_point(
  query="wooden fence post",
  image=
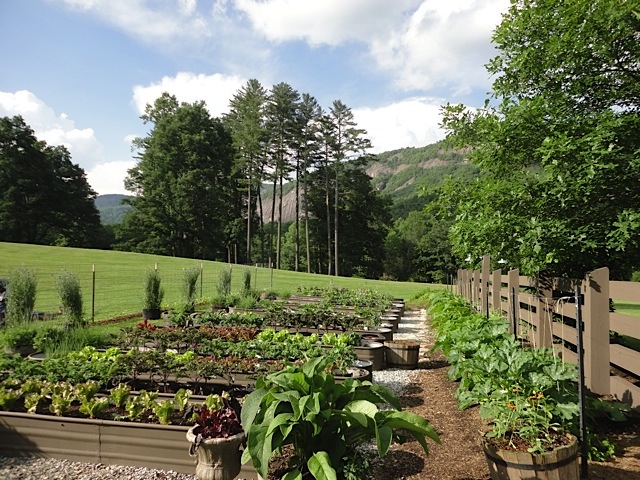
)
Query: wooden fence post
[
  {"x": 596, "y": 331},
  {"x": 513, "y": 287},
  {"x": 475, "y": 288},
  {"x": 484, "y": 284},
  {"x": 544, "y": 314},
  {"x": 496, "y": 287}
]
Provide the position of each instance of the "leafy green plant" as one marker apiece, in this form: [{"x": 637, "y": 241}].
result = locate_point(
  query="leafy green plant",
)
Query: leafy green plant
[
  {"x": 19, "y": 336},
  {"x": 120, "y": 394},
  {"x": 525, "y": 393},
  {"x": 87, "y": 390},
  {"x": 134, "y": 408},
  {"x": 324, "y": 421},
  {"x": 22, "y": 296},
  {"x": 181, "y": 398},
  {"x": 153, "y": 291},
  {"x": 8, "y": 397},
  {"x": 147, "y": 398},
  {"x": 62, "y": 395},
  {"x": 94, "y": 406},
  {"x": 68, "y": 288},
  {"x": 164, "y": 411}
]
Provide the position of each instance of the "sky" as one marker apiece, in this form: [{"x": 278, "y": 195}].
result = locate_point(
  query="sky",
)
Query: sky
[{"x": 80, "y": 72}]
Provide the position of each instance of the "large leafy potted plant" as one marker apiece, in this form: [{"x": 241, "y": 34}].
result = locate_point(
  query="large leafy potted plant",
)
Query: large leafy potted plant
[
  {"x": 153, "y": 295},
  {"x": 216, "y": 439},
  {"x": 528, "y": 436},
  {"x": 323, "y": 421}
]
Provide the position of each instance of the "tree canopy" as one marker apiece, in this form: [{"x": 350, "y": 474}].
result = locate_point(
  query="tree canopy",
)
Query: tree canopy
[
  {"x": 44, "y": 197},
  {"x": 184, "y": 186},
  {"x": 556, "y": 142}
]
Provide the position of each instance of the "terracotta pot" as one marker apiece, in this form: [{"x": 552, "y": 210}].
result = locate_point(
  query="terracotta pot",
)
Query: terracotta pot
[
  {"x": 559, "y": 464},
  {"x": 216, "y": 458}
]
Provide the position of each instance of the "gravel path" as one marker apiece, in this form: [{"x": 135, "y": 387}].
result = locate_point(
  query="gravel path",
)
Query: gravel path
[{"x": 412, "y": 327}]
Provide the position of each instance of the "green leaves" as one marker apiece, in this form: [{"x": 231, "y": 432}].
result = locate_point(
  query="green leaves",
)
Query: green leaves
[{"x": 323, "y": 420}]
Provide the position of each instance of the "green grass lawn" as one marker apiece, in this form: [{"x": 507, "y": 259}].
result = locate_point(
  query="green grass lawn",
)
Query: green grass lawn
[
  {"x": 628, "y": 308},
  {"x": 119, "y": 278}
]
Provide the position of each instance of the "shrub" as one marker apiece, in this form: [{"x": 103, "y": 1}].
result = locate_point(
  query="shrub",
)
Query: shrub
[
  {"x": 153, "y": 291},
  {"x": 21, "y": 297},
  {"x": 68, "y": 287},
  {"x": 224, "y": 282},
  {"x": 189, "y": 283}
]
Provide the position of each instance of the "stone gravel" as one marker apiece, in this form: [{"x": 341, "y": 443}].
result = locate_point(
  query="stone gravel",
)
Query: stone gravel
[{"x": 411, "y": 327}]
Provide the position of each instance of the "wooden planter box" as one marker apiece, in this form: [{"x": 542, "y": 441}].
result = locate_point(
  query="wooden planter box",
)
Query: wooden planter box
[
  {"x": 402, "y": 354},
  {"x": 162, "y": 447},
  {"x": 373, "y": 352}
]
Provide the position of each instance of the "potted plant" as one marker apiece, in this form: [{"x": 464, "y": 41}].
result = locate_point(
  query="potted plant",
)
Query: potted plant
[
  {"x": 304, "y": 409},
  {"x": 216, "y": 438},
  {"x": 153, "y": 295},
  {"x": 527, "y": 435}
]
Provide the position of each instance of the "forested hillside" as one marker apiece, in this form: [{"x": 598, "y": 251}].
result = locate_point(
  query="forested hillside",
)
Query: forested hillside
[
  {"x": 111, "y": 208},
  {"x": 408, "y": 176}
]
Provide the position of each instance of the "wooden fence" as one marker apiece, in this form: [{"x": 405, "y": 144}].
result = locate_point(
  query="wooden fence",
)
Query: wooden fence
[{"x": 544, "y": 314}]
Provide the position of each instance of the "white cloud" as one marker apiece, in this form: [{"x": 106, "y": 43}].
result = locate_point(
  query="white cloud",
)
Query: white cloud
[
  {"x": 423, "y": 44},
  {"x": 216, "y": 90},
  {"x": 408, "y": 123},
  {"x": 159, "y": 21},
  {"x": 329, "y": 22},
  {"x": 109, "y": 177},
  {"x": 54, "y": 129},
  {"x": 442, "y": 44}
]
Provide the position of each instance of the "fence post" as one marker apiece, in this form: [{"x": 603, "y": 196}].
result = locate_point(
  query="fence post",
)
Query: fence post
[
  {"x": 544, "y": 314},
  {"x": 513, "y": 286},
  {"x": 475, "y": 288},
  {"x": 496, "y": 288},
  {"x": 484, "y": 284},
  {"x": 596, "y": 331}
]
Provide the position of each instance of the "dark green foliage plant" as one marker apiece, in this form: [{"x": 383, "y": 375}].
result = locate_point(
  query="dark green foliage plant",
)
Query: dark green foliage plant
[
  {"x": 323, "y": 421},
  {"x": 45, "y": 198},
  {"x": 68, "y": 288},
  {"x": 189, "y": 284},
  {"x": 223, "y": 288},
  {"x": 526, "y": 394},
  {"x": 153, "y": 291},
  {"x": 21, "y": 298},
  {"x": 556, "y": 142}
]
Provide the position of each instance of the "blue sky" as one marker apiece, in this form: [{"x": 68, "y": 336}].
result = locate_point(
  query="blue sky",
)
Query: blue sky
[{"x": 80, "y": 72}]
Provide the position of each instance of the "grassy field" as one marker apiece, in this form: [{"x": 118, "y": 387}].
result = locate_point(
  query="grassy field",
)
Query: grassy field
[{"x": 112, "y": 282}]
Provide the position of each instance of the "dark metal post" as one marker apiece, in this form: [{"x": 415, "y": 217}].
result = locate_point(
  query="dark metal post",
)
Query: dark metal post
[
  {"x": 93, "y": 292},
  {"x": 201, "y": 275},
  {"x": 486, "y": 296},
  {"x": 514, "y": 318},
  {"x": 584, "y": 447}
]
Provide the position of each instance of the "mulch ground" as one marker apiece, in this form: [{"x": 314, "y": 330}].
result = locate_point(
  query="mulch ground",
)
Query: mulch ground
[{"x": 460, "y": 456}]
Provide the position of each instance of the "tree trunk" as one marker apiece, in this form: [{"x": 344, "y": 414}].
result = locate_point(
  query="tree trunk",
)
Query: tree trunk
[
  {"x": 335, "y": 223},
  {"x": 279, "y": 243}
]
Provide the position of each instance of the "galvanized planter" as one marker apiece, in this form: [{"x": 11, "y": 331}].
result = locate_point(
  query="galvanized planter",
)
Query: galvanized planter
[{"x": 99, "y": 441}]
